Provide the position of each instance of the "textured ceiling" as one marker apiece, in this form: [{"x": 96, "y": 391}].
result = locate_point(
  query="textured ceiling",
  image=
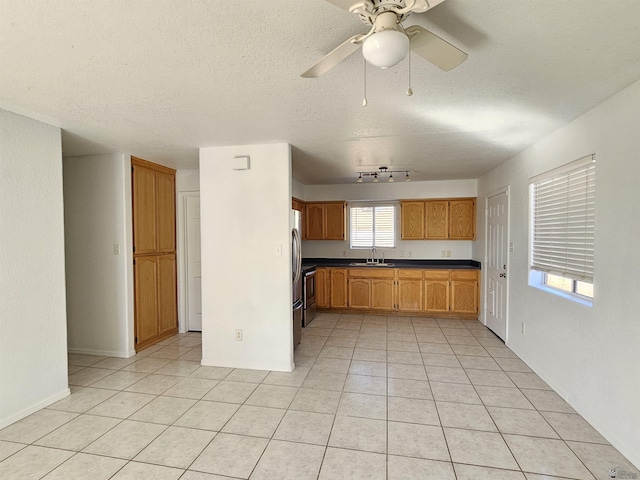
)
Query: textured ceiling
[{"x": 161, "y": 78}]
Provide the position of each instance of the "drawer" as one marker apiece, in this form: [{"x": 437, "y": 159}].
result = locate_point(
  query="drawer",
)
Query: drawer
[
  {"x": 464, "y": 275},
  {"x": 436, "y": 274},
  {"x": 372, "y": 272},
  {"x": 410, "y": 273}
]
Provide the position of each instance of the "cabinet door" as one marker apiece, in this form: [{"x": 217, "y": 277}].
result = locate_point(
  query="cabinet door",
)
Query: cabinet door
[
  {"x": 322, "y": 288},
  {"x": 462, "y": 219},
  {"x": 338, "y": 281},
  {"x": 410, "y": 295},
  {"x": 382, "y": 294},
  {"x": 145, "y": 273},
  {"x": 436, "y": 294},
  {"x": 360, "y": 293},
  {"x": 166, "y": 211},
  {"x": 334, "y": 221},
  {"x": 167, "y": 294},
  {"x": 412, "y": 220},
  {"x": 464, "y": 291},
  {"x": 144, "y": 210},
  {"x": 437, "y": 216},
  {"x": 314, "y": 221}
]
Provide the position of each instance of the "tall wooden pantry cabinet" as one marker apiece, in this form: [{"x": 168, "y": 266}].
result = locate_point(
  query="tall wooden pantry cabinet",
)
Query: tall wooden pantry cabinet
[{"x": 154, "y": 252}]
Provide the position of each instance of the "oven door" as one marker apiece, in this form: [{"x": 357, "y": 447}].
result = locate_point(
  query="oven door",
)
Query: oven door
[{"x": 309, "y": 297}]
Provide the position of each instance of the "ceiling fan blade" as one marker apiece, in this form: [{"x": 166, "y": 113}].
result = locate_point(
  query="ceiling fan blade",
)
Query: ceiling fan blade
[
  {"x": 434, "y": 49},
  {"x": 334, "y": 57}
]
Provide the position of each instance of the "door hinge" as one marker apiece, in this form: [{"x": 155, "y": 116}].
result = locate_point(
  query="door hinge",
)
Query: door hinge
[
  {"x": 131, "y": 168},
  {"x": 134, "y": 262},
  {"x": 134, "y": 249},
  {"x": 135, "y": 340}
]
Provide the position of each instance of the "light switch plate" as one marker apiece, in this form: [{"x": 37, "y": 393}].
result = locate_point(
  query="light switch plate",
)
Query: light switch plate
[{"x": 241, "y": 163}]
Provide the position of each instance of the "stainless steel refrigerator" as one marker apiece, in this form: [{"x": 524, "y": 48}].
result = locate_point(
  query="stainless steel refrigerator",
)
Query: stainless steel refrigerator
[{"x": 296, "y": 269}]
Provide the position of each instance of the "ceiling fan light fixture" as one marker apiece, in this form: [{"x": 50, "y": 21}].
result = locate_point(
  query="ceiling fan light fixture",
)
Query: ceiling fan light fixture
[{"x": 386, "y": 48}]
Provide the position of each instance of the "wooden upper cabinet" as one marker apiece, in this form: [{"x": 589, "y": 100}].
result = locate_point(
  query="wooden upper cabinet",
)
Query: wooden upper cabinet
[
  {"x": 154, "y": 208},
  {"x": 462, "y": 219},
  {"x": 297, "y": 204},
  {"x": 314, "y": 221},
  {"x": 334, "y": 221},
  {"x": 166, "y": 224},
  {"x": 412, "y": 225},
  {"x": 437, "y": 219},
  {"x": 325, "y": 221},
  {"x": 144, "y": 210}
]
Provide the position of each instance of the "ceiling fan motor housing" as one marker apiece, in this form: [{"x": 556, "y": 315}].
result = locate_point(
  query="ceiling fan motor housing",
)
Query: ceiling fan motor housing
[
  {"x": 388, "y": 45},
  {"x": 380, "y": 6}
]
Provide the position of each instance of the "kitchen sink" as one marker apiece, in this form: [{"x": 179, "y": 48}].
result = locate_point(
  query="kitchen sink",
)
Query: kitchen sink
[{"x": 370, "y": 264}]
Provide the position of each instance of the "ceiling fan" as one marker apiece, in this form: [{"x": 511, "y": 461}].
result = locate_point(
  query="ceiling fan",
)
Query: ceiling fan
[{"x": 388, "y": 41}]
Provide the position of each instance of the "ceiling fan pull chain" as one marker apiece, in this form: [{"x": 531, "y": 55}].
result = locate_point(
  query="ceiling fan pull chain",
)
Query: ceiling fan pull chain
[
  {"x": 364, "y": 100},
  {"x": 409, "y": 91}
]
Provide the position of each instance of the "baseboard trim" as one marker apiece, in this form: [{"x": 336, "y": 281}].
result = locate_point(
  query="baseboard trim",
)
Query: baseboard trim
[
  {"x": 102, "y": 353},
  {"x": 5, "y": 422}
]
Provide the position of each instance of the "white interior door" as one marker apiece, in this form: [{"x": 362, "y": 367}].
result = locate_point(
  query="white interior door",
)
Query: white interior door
[
  {"x": 497, "y": 262},
  {"x": 194, "y": 275}
]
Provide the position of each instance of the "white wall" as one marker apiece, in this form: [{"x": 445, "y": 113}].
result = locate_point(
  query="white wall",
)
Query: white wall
[
  {"x": 416, "y": 249},
  {"x": 187, "y": 184},
  {"x": 244, "y": 215},
  {"x": 589, "y": 355},
  {"x": 33, "y": 334},
  {"x": 97, "y": 201}
]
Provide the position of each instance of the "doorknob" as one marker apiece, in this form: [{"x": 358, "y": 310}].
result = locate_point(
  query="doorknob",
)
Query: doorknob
[{"x": 503, "y": 275}]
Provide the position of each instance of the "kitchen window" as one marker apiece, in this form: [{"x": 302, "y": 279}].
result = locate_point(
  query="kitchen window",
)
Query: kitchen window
[
  {"x": 563, "y": 230},
  {"x": 372, "y": 226}
]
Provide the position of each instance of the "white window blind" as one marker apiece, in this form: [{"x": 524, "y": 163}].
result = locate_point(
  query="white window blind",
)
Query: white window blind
[
  {"x": 373, "y": 226},
  {"x": 563, "y": 220}
]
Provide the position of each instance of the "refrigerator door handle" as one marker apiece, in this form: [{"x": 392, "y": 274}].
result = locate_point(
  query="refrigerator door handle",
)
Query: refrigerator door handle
[{"x": 297, "y": 248}]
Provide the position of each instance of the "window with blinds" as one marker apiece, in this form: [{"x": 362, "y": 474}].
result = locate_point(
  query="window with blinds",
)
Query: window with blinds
[
  {"x": 563, "y": 221},
  {"x": 372, "y": 226}
]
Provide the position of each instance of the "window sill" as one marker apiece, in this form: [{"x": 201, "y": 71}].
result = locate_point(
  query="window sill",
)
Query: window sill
[{"x": 535, "y": 281}]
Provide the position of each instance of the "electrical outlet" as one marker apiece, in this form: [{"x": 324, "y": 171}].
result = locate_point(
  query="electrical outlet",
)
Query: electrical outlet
[
  {"x": 448, "y": 253},
  {"x": 443, "y": 253},
  {"x": 238, "y": 335},
  {"x": 344, "y": 253},
  {"x": 410, "y": 254},
  {"x": 523, "y": 329},
  {"x": 116, "y": 249},
  {"x": 401, "y": 253}
]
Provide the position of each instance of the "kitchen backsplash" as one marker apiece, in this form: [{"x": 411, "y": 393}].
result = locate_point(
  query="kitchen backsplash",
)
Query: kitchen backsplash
[{"x": 418, "y": 249}]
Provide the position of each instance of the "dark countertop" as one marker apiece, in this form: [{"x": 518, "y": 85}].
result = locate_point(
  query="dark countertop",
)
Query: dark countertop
[{"x": 445, "y": 264}]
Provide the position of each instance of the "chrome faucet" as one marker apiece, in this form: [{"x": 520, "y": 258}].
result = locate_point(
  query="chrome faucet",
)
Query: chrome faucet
[{"x": 373, "y": 255}]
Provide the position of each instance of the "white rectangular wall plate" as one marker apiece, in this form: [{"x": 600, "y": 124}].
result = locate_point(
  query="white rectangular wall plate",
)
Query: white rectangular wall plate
[{"x": 241, "y": 163}]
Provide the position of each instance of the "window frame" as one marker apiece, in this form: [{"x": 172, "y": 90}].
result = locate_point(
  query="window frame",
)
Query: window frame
[{"x": 373, "y": 205}]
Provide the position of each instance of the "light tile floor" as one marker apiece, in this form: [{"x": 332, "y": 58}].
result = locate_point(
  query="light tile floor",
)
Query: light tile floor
[{"x": 372, "y": 397}]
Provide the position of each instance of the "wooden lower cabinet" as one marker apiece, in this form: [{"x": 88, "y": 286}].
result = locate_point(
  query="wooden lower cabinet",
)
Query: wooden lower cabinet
[
  {"x": 383, "y": 294},
  {"x": 323, "y": 288},
  {"x": 436, "y": 291},
  {"x": 464, "y": 291},
  {"x": 409, "y": 288},
  {"x": 360, "y": 293},
  {"x": 418, "y": 291},
  {"x": 155, "y": 298},
  {"x": 338, "y": 282}
]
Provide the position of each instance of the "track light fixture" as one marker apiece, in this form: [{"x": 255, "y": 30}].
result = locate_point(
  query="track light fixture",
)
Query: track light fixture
[{"x": 380, "y": 174}]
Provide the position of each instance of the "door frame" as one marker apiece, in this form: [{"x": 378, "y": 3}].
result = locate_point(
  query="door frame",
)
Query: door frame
[
  {"x": 183, "y": 284},
  {"x": 485, "y": 289}
]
